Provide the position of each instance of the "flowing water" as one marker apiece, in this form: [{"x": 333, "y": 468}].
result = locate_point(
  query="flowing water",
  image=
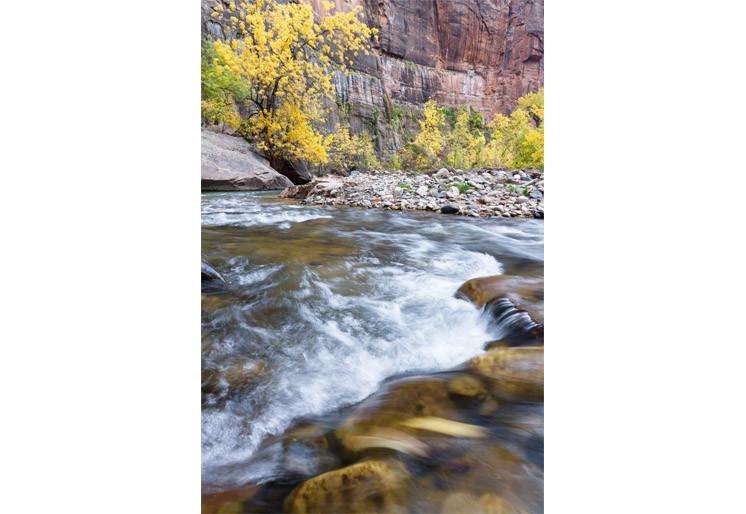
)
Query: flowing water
[{"x": 324, "y": 304}]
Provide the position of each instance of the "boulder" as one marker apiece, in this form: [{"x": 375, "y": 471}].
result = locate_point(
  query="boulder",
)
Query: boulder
[
  {"x": 442, "y": 173},
  {"x": 229, "y": 164},
  {"x": 526, "y": 294},
  {"x": 370, "y": 486},
  {"x": 449, "y": 209},
  {"x": 298, "y": 192},
  {"x": 401, "y": 400},
  {"x": 323, "y": 186},
  {"x": 296, "y": 171},
  {"x": 516, "y": 373}
]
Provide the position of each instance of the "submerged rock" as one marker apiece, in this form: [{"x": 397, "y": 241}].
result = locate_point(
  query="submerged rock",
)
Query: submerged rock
[
  {"x": 462, "y": 503},
  {"x": 371, "y": 486},
  {"x": 466, "y": 386},
  {"x": 212, "y": 281},
  {"x": 401, "y": 401},
  {"x": 306, "y": 452}
]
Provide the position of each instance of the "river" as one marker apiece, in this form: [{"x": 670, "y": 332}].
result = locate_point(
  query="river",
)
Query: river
[{"x": 324, "y": 305}]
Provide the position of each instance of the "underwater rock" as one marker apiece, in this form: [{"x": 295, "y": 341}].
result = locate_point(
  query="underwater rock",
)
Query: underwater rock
[
  {"x": 371, "y": 486},
  {"x": 306, "y": 452},
  {"x": 402, "y": 400},
  {"x": 461, "y": 503},
  {"x": 466, "y": 386},
  {"x": 212, "y": 281}
]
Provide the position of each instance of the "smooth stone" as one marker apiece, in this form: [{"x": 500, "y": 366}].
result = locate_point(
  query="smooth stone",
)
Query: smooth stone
[
  {"x": 370, "y": 486},
  {"x": 517, "y": 373},
  {"x": 449, "y": 209}
]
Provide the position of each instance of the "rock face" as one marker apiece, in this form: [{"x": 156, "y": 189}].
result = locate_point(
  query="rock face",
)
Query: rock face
[
  {"x": 483, "y": 53},
  {"x": 229, "y": 164}
]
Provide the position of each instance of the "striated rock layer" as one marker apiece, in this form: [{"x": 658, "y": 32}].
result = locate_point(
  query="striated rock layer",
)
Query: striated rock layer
[{"x": 483, "y": 53}]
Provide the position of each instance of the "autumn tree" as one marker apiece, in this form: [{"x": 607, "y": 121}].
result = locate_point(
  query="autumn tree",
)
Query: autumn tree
[
  {"x": 425, "y": 151},
  {"x": 348, "y": 152},
  {"x": 466, "y": 141},
  {"x": 285, "y": 60},
  {"x": 517, "y": 140}
]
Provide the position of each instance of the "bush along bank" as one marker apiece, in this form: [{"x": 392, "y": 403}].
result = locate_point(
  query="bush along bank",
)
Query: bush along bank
[{"x": 479, "y": 192}]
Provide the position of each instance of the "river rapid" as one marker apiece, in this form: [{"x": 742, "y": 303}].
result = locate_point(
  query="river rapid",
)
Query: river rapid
[{"x": 325, "y": 304}]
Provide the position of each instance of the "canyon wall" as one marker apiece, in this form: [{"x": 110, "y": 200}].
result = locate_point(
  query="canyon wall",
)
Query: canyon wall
[{"x": 482, "y": 53}]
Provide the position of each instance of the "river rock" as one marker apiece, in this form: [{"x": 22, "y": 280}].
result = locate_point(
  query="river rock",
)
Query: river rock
[
  {"x": 449, "y": 209},
  {"x": 517, "y": 373},
  {"x": 462, "y": 503},
  {"x": 298, "y": 192},
  {"x": 526, "y": 294},
  {"x": 306, "y": 451},
  {"x": 370, "y": 486},
  {"x": 481, "y": 290},
  {"x": 230, "y": 164},
  {"x": 401, "y": 400},
  {"x": 403, "y": 190},
  {"x": 212, "y": 281},
  {"x": 466, "y": 386},
  {"x": 442, "y": 173}
]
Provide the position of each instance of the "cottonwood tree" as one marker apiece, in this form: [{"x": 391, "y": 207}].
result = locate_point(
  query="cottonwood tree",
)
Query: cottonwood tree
[{"x": 285, "y": 60}]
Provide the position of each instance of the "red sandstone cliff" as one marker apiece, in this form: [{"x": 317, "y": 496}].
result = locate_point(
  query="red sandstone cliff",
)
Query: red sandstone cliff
[{"x": 483, "y": 53}]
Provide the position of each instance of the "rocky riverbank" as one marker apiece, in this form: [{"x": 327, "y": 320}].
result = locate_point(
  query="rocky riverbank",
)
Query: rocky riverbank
[{"x": 479, "y": 192}]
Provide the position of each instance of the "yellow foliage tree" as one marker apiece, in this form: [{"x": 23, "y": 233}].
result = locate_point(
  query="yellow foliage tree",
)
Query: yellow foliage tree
[
  {"x": 425, "y": 150},
  {"x": 465, "y": 144},
  {"x": 287, "y": 60},
  {"x": 517, "y": 141},
  {"x": 348, "y": 152}
]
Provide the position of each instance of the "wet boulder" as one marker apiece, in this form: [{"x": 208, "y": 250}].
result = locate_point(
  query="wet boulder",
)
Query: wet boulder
[
  {"x": 466, "y": 386},
  {"x": 515, "y": 373},
  {"x": 525, "y": 293},
  {"x": 369, "y": 486},
  {"x": 515, "y": 304},
  {"x": 400, "y": 401}
]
